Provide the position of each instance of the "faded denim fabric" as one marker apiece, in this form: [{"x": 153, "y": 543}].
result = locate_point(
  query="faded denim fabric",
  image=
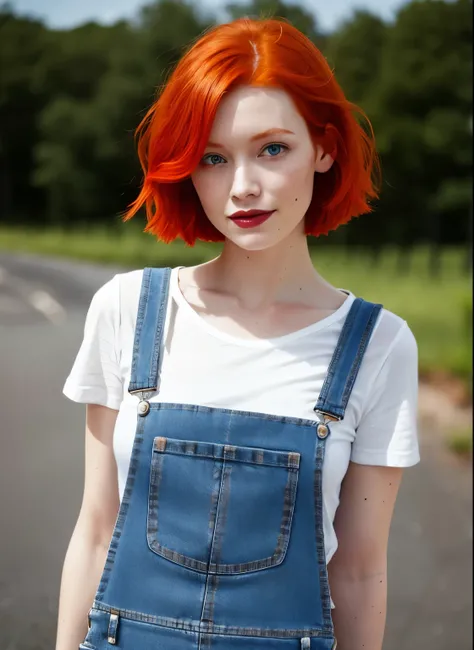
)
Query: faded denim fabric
[{"x": 219, "y": 539}]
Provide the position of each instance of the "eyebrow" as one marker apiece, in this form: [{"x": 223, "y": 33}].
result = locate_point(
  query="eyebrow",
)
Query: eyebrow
[{"x": 258, "y": 136}]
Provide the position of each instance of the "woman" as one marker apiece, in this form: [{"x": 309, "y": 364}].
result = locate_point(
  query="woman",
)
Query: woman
[{"x": 234, "y": 406}]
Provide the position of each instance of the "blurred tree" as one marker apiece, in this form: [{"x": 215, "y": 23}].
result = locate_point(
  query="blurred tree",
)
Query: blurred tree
[
  {"x": 355, "y": 51},
  {"x": 70, "y": 102},
  {"x": 86, "y": 160},
  {"x": 23, "y": 44},
  {"x": 65, "y": 160},
  {"x": 421, "y": 106},
  {"x": 302, "y": 19}
]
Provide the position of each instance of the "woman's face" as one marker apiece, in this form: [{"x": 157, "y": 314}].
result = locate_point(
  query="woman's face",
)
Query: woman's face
[{"x": 239, "y": 171}]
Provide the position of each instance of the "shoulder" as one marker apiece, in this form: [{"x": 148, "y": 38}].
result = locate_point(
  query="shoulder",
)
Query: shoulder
[
  {"x": 119, "y": 297},
  {"x": 129, "y": 284},
  {"x": 392, "y": 342},
  {"x": 109, "y": 301},
  {"x": 121, "y": 286},
  {"x": 394, "y": 333}
]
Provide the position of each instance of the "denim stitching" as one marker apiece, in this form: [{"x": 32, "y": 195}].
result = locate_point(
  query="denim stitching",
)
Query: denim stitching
[
  {"x": 212, "y": 450},
  {"x": 215, "y": 567},
  {"x": 123, "y": 510},
  {"x": 163, "y": 289},
  {"x": 201, "y": 626},
  {"x": 221, "y": 515},
  {"x": 139, "y": 327},
  {"x": 319, "y": 533},
  {"x": 351, "y": 317},
  {"x": 360, "y": 354},
  {"x": 211, "y": 584},
  {"x": 153, "y": 491},
  {"x": 198, "y": 408},
  {"x": 324, "y": 403},
  {"x": 340, "y": 408}
]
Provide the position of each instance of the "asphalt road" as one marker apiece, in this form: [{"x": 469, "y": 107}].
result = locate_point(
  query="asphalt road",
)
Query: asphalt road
[{"x": 42, "y": 309}]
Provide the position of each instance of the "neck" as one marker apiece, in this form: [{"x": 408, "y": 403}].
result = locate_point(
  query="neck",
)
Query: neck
[{"x": 282, "y": 273}]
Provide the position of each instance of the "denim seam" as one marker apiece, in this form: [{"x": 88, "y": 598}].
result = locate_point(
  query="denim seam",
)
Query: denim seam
[
  {"x": 154, "y": 375},
  {"x": 200, "y": 408},
  {"x": 237, "y": 453},
  {"x": 214, "y": 567},
  {"x": 210, "y": 586},
  {"x": 123, "y": 510},
  {"x": 351, "y": 317},
  {"x": 319, "y": 534},
  {"x": 324, "y": 403},
  {"x": 139, "y": 327},
  {"x": 160, "y": 277},
  {"x": 359, "y": 356},
  {"x": 201, "y": 626}
]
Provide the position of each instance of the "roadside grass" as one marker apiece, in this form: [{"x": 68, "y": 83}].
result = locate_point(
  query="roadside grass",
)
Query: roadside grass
[
  {"x": 438, "y": 310},
  {"x": 460, "y": 442}
]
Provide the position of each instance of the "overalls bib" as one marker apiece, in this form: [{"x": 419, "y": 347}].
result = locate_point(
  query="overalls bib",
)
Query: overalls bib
[{"x": 219, "y": 538}]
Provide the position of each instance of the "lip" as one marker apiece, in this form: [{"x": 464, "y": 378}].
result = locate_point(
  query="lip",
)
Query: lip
[{"x": 246, "y": 220}]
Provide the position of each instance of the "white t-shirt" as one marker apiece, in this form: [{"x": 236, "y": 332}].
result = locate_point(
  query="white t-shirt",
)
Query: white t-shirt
[{"x": 280, "y": 376}]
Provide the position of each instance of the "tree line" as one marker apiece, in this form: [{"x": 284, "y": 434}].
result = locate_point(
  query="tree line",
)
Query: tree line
[{"x": 71, "y": 99}]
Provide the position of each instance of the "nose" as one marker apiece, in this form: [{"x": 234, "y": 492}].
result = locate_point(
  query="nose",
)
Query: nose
[{"x": 244, "y": 183}]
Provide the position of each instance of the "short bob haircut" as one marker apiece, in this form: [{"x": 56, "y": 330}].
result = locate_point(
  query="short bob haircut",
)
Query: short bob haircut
[{"x": 258, "y": 52}]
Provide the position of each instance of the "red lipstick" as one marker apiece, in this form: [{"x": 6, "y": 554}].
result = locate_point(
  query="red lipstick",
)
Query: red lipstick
[{"x": 250, "y": 218}]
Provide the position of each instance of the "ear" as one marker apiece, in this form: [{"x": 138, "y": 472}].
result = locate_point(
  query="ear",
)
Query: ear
[{"x": 322, "y": 161}]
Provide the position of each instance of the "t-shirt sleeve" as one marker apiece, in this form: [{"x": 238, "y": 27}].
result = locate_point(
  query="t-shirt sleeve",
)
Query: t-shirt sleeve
[
  {"x": 387, "y": 433},
  {"x": 95, "y": 377}
]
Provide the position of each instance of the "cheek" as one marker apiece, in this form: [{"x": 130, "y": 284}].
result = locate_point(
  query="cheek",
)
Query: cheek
[
  {"x": 205, "y": 189},
  {"x": 297, "y": 180},
  {"x": 301, "y": 173}
]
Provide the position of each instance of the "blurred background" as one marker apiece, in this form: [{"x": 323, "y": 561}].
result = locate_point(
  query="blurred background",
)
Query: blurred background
[{"x": 75, "y": 80}]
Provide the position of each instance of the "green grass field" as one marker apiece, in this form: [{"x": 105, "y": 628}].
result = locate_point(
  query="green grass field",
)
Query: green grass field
[{"x": 439, "y": 311}]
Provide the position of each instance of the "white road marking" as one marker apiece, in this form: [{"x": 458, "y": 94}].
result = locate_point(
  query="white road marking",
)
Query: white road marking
[
  {"x": 38, "y": 299},
  {"x": 48, "y": 306}
]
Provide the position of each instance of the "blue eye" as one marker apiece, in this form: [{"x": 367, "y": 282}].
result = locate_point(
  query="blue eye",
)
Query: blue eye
[
  {"x": 275, "y": 144},
  {"x": 214, "y": 156},
  {"x": 211, "y": 156}
]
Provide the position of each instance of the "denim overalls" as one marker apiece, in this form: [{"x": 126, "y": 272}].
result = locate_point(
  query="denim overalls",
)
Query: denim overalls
[{"x": 219, "y": 538}]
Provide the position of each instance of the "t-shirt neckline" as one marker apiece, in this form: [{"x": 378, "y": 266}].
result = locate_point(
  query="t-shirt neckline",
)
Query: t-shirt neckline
[{"x": 177, "y": 295}]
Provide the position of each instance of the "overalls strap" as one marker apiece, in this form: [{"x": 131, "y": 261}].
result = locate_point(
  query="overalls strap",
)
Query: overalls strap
[
  {"x": 341, "y": 375},
  {"x": 347, "y": 358},
  {"x": 147, "y": 347}
]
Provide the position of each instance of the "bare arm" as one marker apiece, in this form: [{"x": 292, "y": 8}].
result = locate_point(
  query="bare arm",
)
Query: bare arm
[
  {"x": 358, "y": 570},
  {"x": 87, "y": 551}
]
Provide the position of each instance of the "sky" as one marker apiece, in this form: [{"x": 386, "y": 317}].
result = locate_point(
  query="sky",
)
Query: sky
[{"x": 65, "y": 14}]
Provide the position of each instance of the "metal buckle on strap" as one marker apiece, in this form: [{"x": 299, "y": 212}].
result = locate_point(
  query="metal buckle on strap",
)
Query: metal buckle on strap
[
  {"x": 328, "y": 416},
  {"x": 143, "y": 391},
  {"x": 113, "y": 626},
  {"x": 143, "y": 407}
]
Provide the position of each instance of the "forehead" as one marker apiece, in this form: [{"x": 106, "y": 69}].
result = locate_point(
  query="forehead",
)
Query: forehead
[{"x": 248, "y": 110}]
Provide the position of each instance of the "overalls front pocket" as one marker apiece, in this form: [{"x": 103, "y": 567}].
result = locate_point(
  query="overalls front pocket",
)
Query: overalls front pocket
[{"x": 220, "y": 508}]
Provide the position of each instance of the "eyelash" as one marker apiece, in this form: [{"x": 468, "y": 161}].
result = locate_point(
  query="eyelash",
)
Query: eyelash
[{"x": 271, "y": 144}]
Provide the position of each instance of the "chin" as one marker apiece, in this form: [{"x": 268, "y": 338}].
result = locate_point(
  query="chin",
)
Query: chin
[{"x": 255, "y": 241}]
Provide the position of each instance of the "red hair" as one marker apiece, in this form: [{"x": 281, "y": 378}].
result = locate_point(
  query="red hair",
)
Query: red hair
[{"x": 173, "y": 134}]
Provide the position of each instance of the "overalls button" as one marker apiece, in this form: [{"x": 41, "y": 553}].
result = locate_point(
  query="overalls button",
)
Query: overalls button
[
  {"x": 323, "y": 431},
  {"x": 143, "y": 408}
]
